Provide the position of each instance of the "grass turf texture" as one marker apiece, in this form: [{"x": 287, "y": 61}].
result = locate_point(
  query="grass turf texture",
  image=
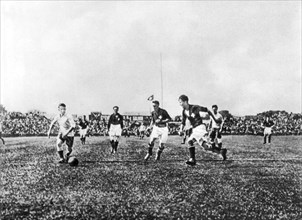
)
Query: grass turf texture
[{"x": 256, "y": 182}]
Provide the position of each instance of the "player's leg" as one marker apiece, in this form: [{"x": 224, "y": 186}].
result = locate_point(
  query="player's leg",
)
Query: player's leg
[
  {"x": 118, "y": 133},
  {"x": 69, "y": 143},
  {"x": 81, "y": 135},
  {"x": 162, "y": 141},
  {"x": 84, "y": 135},
  {"x": 269, "y": 136},
  {"x": 154, "y": 135},
  {"x": 212, "y": 137},
  {"x": 209, "y": 147},
  {"x": 264, "y": 138},
  {"x": 219, "y": 139},
  {"x": 116, "y": 142},
  {"x": 112, "y": 143},
  {"x": 202, "y": 140},
  {"x": 185, "y": 137},
  {"x": 112, "y": 138},
  {"x": 59, "y": 145},
  {"x": 192, "y": 159}
]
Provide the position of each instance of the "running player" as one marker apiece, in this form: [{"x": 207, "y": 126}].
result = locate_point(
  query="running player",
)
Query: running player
[
  {"x": 115, "y": 126},
  {"x": 216, "y": 128},
  {"x": 267, "y": 125},
  {"x": 142, "y": 129},
  {"x": 199, "y": 132},
  {"x": 83, "y": 124},
  {"x": 66, "y": 132},
  {"x": 159, "y": 123}
]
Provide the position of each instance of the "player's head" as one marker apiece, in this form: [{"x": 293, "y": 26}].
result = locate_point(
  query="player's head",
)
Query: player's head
[
  {"x": 115, "y": 109},
  {"x": 155, "y": 104},
  {"x": 183, "y": 100},
  {"x": 215, "y": 108},
  {"x": 62, "y": 108}
]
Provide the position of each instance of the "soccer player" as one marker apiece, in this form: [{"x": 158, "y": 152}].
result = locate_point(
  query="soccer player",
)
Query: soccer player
[
  {"x": 160, "y": 118},
  {"x": 216, "y": 128},
  {"x": 267, "y": 125},
  {"x": 66, "y": 132},
  {"x": 115, "y": 126},
  {"x": 83, "y": 124},
  {"x": 142, "y": 130},
  {"x": 1, "y": 134},
  {"x": 199, "y": 132}
]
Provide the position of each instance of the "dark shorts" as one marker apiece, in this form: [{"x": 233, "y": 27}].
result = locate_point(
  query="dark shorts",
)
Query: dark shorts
[
  {"x": 215, "y": 133},
  {"x": 68, "y": 141}
]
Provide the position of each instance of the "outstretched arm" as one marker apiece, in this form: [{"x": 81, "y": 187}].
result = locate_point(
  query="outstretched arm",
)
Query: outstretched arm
[{"x": 50, "y": 127}]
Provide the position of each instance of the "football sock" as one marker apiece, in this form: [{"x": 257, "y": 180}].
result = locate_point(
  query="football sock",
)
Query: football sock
[
  {"x": 192, "y": 153},
  {"x": 61, "y": 154},
  {"x": 219, "y": 145},
  {"x": 116, "y": 144},
  {"x": 269, "y": 139}
]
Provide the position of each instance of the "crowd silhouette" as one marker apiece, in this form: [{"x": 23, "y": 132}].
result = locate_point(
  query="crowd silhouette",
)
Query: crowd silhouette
[{"x": 35, "y": 123}]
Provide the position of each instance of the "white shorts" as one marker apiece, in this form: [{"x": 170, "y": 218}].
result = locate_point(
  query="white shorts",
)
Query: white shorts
[
  {"x": 83, "y": 132},
  {"x": 115, "y": 130},
  {"x": 199, "y": 133},
  {"x": 161, "y": 133},
  {"x": 267, "y": 131}
]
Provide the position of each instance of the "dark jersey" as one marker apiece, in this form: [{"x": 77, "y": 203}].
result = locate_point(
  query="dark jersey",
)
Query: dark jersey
[
  {"x": 268, "y": 124},
  {"x": 193, "y": 115},
  {"x": 83, "y": 124},
  {"x": 161, "y": 114},
  {"x": 116, "y": 119}
]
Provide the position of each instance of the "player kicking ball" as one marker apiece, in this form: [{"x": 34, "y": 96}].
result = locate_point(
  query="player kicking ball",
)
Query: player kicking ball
[
  {"x": 160, "y": 119},
  {"x": 199, "y": 132},
  {"x": 115, "y": 127},
  {"x": 66, "y": 132}
]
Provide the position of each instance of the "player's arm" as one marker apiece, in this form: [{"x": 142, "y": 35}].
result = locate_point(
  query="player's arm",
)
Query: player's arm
[
  {"x": 183, "y": 123},
  {"x": 221, "y": 126},
  {"x": 109, "y": 122},
  {"x": 50, "y": 127},
  {"x": 151, "y": 123},
  {"x": 122, "y": 122},
  {"x": 218, "y": 121},
  {"x": 167, "y": 117},
  {"x": 210, "y": 124}
]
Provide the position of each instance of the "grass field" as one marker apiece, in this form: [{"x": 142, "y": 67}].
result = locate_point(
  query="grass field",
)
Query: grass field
[{"x": 256, "y": 182}]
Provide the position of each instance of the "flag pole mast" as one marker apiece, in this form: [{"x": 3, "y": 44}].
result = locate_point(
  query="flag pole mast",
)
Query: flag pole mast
[{"x": 161, "y": 80}]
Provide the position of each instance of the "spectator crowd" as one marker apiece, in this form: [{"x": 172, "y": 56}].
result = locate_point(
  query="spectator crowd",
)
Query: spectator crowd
[{"x": 35, "y": 123}]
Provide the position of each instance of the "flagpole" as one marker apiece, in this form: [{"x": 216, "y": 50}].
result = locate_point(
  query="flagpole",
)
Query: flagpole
[{"x": 161, "y": 80}]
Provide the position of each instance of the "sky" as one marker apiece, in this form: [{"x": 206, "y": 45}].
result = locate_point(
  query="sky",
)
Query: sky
[{"x": 92, "y": 55}]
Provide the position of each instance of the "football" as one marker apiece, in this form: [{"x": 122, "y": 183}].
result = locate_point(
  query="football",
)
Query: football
[{"x": 72, "y": 161}]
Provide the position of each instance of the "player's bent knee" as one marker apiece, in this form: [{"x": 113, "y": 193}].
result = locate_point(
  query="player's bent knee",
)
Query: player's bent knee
[
  {"x": 161, "y": 147},
  {"x": 191, "y": 143}
]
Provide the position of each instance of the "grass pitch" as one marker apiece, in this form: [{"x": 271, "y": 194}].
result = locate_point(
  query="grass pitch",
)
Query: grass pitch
[{"x": 256, "y": 182}]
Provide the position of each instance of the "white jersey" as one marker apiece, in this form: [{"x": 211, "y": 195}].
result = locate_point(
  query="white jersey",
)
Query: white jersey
[
  {"x": 142, "y": 128},
  {"x": 219, "y": 117},
  {"x": 65, "y": 122}
]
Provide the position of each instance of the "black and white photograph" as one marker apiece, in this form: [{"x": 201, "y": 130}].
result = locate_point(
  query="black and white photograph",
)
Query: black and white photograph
[{"x": 151, "y": 109}]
